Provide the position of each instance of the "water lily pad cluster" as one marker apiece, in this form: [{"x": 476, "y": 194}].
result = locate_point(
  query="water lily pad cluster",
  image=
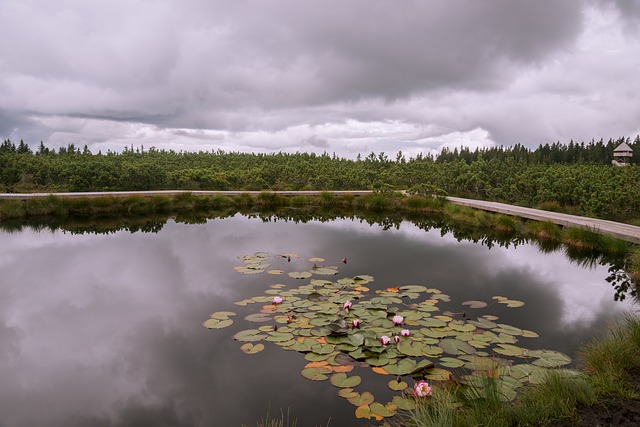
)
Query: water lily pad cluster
[{"x": 400, "y": 332}]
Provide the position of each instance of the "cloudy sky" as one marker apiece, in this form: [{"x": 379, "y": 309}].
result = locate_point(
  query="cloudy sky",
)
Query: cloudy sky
[{"x": 339, "y": 76}]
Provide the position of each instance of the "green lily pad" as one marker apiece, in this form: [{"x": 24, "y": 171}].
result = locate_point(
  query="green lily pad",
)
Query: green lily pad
[
  {"x": 300, "y": 275},
  {"x": 475, "y": 304},
  {"x": 549, "y": 358},
  {"x": 222, "y": 315},
  {"x": 450, "y": 362},
  {"x": 279, "y": 336},
  {"x": 324, "y": 271},
  {"x": 251, "y": 348},
  {"x": 509, "y": 350},
  {"x": 381, "y": 410},
  {"x": 348, "y": 393},
  {"x": 258, "y": 317},
  {"x": 410, "y": 348},
  {"x": 529, "y": 373},
  {"x": 365, "y": 398},
  {"x": 250, "y": 335},
  {"x": 404, "y": 403},
  {"x": 342, "y": 380},
  {"x": 454, "y": 347},
  {"x": 380, "y": 360},
  {"x": 316, "y": 374},
  {"x": 217, "y": 324},
  {"x": 397, "y": 385}
]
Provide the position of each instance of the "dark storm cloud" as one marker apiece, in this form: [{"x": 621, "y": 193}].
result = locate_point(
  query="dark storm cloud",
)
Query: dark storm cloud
[{"x": 173, "y": 60}]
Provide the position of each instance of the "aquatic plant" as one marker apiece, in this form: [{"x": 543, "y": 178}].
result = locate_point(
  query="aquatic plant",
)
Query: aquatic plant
[{"x": 337, "y": 338}]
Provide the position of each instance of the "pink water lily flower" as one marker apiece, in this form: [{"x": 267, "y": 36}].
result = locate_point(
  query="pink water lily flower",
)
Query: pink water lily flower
[
  {"x": 422, "y": 389},
  {"x": 405, "y": 332},
  {"x": 347, "y": 305},
  {"x": 398, "y": 320},
  {"x": 277, "y": 300},
  {"x": 356, "y": 323},
  {"x": 396, "y": 338},
  {"x": 385, "y": 340}
]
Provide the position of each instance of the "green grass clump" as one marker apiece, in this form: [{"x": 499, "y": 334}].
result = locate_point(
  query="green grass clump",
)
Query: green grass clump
[
  {"x": 504, "y": 223},
  {"x": 12, "y": 209},
  {"x": 269, "y": 199},
  {"x": 608, "y": 359},
  {"x": 581, "y": 238},
  {"x": 544, "y": 230},
  {"x": 553, "y": 400},
  {"x": 327, "y": 198},
  {"x": 634, "y": 265},
  {"x": 284, "y": 420}
]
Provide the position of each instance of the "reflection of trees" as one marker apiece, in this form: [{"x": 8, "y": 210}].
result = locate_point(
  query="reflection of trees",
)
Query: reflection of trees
[{"x": 617, "y": 263}]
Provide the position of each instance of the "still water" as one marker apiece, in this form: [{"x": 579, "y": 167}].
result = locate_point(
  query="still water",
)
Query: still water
[{"x": 106, "y": 330}]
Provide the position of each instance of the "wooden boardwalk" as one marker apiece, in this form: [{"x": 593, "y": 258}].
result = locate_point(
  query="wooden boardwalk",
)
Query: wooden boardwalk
[{"x": 622, "y": 231}]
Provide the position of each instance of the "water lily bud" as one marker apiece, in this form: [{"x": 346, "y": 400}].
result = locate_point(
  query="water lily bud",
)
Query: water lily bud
[
  {"x": 385, "y": 340},
  {"x": 405, "y": 332},
  {"x": 396, "y": 338},
  {"x": 347, "y": 305},
  {"x": 356, "y": 323},
  {"x": 398, "y": 320}
]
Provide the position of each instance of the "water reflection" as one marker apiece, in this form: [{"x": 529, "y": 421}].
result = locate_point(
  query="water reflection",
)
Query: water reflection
[{"x": 106, "y": 329}]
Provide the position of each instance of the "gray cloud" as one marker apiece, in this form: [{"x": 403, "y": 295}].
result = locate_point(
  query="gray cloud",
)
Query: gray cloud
[{"x": 250, "y": 66}]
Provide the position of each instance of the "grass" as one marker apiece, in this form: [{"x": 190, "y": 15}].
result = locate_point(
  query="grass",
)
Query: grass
[
  {"x": 284, "y": 420},
  {"x": 605, "y": 362},
  {"x": 634, "y": 264},
  {"x": 544, "y": 230},
  {"x": 608, "y": 359}
]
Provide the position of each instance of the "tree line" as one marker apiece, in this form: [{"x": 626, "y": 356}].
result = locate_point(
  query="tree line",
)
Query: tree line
[{"x": 575, "y": 177}]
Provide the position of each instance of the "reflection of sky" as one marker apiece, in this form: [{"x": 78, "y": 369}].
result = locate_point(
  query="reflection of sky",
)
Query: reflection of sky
[{"x": 106, "y": 330}]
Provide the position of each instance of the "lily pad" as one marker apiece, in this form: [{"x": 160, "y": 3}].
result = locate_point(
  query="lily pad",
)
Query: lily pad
[
  {"x": 249, "y": 348},
  {"x": 403, "y": 367},
  {"x": 217, "y": 324},
  {"x": 343, "y": 381},
  {"x": 404, "y": 403},
  {"x": 300, "y": 275},
  {"x": 222, "y": 315},
  {"x": 316, "y": 374},
  {"x": 455, "y": 346},
  {"x": 250, "y": 335},
  {"x": 348, "y": 393},
  {"x": 450, "y": 362},
  {"x": 362, "y": 399},
  {"x": 475, "y": 304},
  {"x": 549, "y": 358},
  {"x": 397, "y": 385},
  {"x": 381, "y": 410},
  {"x": 437, "y": 374},
  {"x": 258, "y": 317}
]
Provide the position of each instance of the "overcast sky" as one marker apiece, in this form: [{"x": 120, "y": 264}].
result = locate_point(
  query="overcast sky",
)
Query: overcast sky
[{"x": 339, "y": 76}]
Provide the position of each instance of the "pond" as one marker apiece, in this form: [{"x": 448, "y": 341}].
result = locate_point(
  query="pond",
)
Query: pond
[{"x": 100, "y": 330}]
